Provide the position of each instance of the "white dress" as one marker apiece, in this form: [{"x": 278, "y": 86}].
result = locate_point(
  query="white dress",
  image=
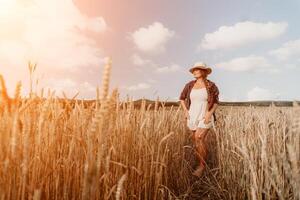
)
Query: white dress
[{"x": 197, "y": 109}]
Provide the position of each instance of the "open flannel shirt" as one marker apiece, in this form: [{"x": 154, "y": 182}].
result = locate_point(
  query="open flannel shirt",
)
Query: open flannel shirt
[{"x": 212, "y": 94}]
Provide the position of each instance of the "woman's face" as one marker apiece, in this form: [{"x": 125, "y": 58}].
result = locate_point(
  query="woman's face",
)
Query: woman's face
[{"x": 198, "y": 73}]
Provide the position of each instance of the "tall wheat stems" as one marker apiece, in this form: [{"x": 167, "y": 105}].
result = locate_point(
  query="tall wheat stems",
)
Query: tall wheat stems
[
  {"x": 32, "y": 68},
  {"x": 97, "y": 131},
  {"x": 4, "y": 98}
]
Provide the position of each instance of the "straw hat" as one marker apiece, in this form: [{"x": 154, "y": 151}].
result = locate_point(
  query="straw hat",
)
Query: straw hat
[{"x": 201, "y": 65}]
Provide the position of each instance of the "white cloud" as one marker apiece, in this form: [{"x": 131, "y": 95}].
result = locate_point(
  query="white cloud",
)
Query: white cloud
[
  {"x": 242, "y": 33},
  {"x": 97, "y": 24},
  {"x": 139, "y": 61},
  {"x": 288, "y": 50},
  {"x": 50, "y": 33},
  {"x": 152, "y": 38},
  {"x": 70, "y": 87},
  {"x": 249, "y": 63},
  {"x": 139, "y": 86},
  {"x": 258, "y": 93},
  {"x": 61, "y": 84},
  {"x": 171, "y": 68},
  {"x": 152, "y": 80}
]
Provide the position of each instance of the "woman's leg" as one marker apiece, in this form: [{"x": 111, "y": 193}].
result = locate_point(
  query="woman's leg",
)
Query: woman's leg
[
  {"x": 201, "y": 149},
  {"x": 193, "y": 136}
]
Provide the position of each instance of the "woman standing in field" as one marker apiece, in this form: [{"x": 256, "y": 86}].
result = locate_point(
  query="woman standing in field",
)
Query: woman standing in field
[{"x": 200, "y": 98}]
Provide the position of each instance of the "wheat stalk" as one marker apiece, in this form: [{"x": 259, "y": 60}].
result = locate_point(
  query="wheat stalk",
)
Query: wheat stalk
[{"x": 120, "y": 186}]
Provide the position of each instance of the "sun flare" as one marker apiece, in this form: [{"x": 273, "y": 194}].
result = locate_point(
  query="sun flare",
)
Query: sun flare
[
  {"x": 6, "y": 2},
  {"x": 7, "y": 7}
]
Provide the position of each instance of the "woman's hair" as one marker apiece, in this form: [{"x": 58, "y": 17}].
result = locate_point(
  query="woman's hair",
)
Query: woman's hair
[{"x": 204, "y": 73}]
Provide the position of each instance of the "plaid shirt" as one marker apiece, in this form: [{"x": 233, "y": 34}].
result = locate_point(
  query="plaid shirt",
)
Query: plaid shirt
[{"x": 212, "y": 94}]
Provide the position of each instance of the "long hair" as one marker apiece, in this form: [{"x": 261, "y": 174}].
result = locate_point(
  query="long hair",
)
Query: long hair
[{"x": 204, "y": 73}]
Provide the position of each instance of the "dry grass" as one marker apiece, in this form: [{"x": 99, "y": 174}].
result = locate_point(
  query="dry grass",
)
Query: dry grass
[{"x": 52, "y": 149}]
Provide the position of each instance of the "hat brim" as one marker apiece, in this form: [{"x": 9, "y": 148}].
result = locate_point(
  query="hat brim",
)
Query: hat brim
[{"x": 208, "y": 69}]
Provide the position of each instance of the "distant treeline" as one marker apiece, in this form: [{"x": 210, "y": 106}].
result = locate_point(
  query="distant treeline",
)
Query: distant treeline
[
  {"x": 137, "y": 103},
  {"x": 237, "y": 103}
]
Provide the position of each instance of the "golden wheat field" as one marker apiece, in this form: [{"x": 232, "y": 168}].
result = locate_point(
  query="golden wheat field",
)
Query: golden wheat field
[
  {"x": 55, "y": 148},
  {"x": 149, "y": 100}
]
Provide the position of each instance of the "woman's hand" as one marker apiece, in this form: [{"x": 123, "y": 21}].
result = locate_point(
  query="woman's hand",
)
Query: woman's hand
[
  {"x": 187, "y": 115},
  {"x": 207, "y": 117}
]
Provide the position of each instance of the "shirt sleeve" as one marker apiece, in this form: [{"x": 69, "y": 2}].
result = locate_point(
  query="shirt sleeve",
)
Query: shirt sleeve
[
  {"x": 216, "y": 94},
  {"x": 183, "y": 93}
]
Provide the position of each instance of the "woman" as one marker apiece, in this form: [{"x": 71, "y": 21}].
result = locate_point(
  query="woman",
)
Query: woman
[{"x": 200, "y": 98}]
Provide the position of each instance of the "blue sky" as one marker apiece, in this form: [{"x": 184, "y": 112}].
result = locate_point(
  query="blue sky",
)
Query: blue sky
[
  {"x": 253, "y": 47},
  {"x": 251, "y": 72}
]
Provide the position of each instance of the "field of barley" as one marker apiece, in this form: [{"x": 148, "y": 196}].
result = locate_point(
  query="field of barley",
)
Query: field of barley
[{"x": 55, "y": 148}]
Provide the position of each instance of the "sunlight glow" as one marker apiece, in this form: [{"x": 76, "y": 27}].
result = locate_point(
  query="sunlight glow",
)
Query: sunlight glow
[
  {"x": 47, "y": 32},
  {"x": 5, "y": 3},
  {"x": 7, "y": 7}
]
